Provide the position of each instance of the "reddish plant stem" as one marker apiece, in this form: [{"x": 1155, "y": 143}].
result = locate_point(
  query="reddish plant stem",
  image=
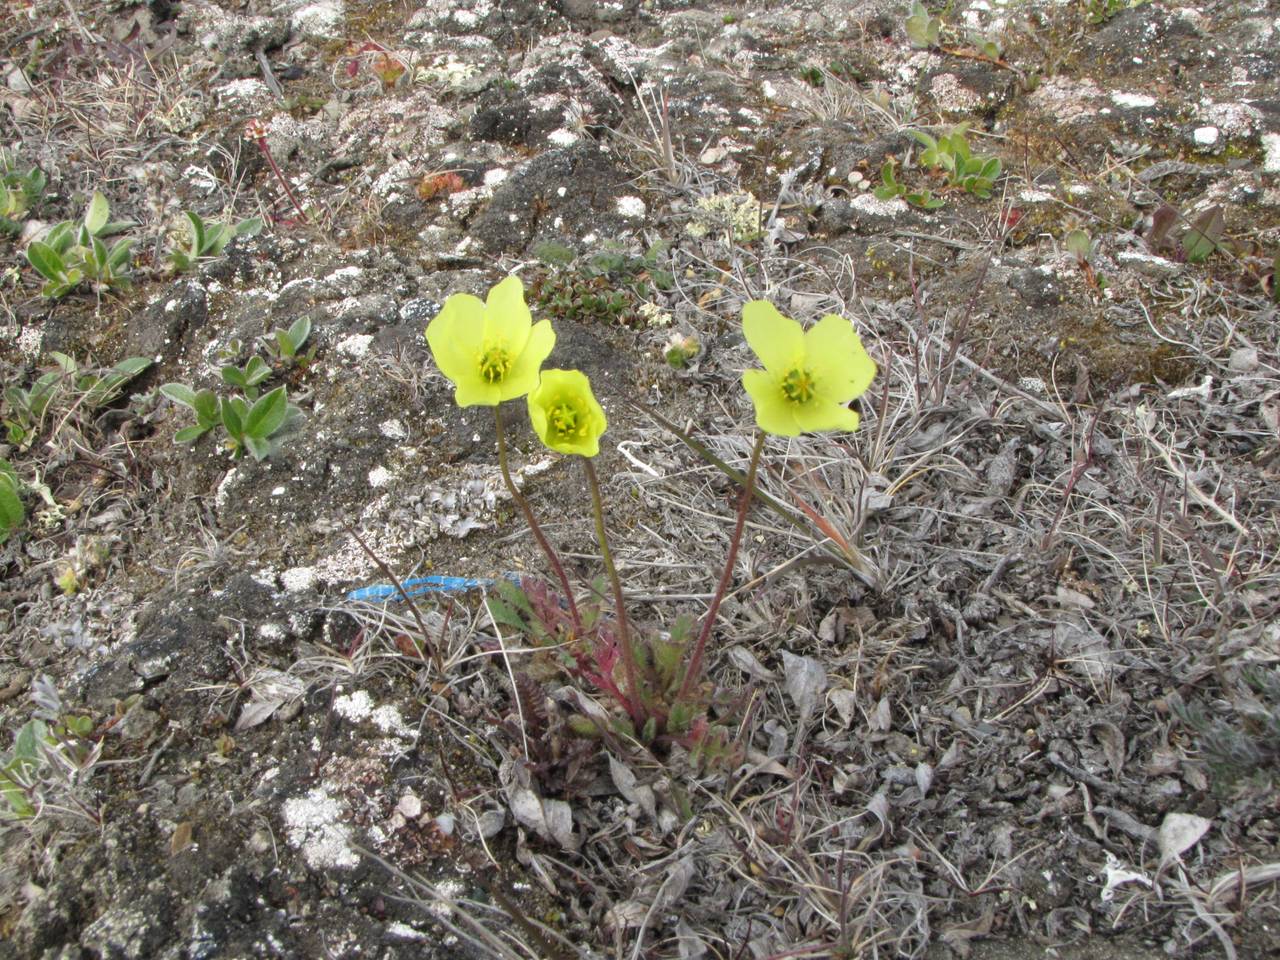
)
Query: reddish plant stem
[
  {"x": 266, "y": 152},
  {"x": 634, "y": 704},
  {"x": 694, "y": 671},
  {"x": 518, "y": 497}
]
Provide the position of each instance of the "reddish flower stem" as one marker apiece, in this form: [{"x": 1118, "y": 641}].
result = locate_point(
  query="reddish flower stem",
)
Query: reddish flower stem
[
  {"x": 694, "y": 670},
  {"x": 266, "y": 152},
  {"x": 536, "y": 530},
  {"x": 634, "y": 704}
]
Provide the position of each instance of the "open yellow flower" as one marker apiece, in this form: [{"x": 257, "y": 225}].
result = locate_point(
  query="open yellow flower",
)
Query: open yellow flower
[
  {"x": 492, "y": 350},
  {"x": 809, "y": 377},
  {"x": 565, "y": 414}
]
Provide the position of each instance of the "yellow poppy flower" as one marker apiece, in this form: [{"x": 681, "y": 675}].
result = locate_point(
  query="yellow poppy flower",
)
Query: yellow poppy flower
[
  {"x": 492, "y": 350},
  {"x": 809, "y": 377},
  {"x": 565, "y": 414}
]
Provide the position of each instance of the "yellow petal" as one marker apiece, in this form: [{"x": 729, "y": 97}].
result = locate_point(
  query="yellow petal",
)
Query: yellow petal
[
  {"x": 572, "y": 389},
  {"x": 506, "y": 316},
  {"x": 474, "y": 392},
  {"x": 774, "y": 413},
  {"x": 839, "y": 363},
  {"x": 777, "y": 340},
  {"x": 455, "y": 336},
  {"x": 523, "y": 375},
  {"x": 818, "y": 416}
]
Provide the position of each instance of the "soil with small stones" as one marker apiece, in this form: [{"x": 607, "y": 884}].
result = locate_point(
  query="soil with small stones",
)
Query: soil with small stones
[{"x": 1004, "y": 683}]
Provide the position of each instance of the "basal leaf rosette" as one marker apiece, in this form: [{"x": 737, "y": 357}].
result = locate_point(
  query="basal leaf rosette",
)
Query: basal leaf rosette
[
  {"x": 809, "y": 376},
  {"x": 565, "y": 414},
  {"x": 491, "y": 350}
]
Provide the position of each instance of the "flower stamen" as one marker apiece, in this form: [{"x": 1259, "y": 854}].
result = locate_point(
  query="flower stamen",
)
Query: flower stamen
[
  {"x": 495, "y": 363},
  {"x": 567, "y": 421},
  {"x": 798, "y": 385}
]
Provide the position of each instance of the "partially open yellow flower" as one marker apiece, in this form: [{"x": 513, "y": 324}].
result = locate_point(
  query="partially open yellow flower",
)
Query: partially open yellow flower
[
  {"x": 565, "y": 414},
  {"x": 491, "y": 350},
  {"x": 809, "y": 377}
]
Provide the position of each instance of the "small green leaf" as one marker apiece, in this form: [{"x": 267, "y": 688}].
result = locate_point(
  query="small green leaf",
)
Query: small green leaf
[
  {"x": 190, "y": 434},
  {"x": 267, "y": 414},
  {"x": 61, "y": 237},
  {"x": 98, "y": 259},
  {"x": 249, "y": 227},
  {"x": 233, "y": 414},
  {"x": 179, "y": 393},
  {"x": 299, "y": 332},
  {"x": 234, "y": 376},
  {"x": 258, "y": 448},
  {"x": 118, "y": 259},
  {"x": 256, "y": 370},
  {"x": 96, "y": 214},
  {"x": 197, "y": 232},
  {"x": 11, "y": 510},
  {"x": 208, "y": 412},
  {"x": 1078, "y": 242},
  {"x": 47, "y": 262},
  {"x": 1202, "y": 239},
  {"x": 555, "y": 254}
]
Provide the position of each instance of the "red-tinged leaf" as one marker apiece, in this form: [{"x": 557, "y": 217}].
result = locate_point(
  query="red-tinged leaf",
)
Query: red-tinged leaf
[{"x": 822, "y": 524}]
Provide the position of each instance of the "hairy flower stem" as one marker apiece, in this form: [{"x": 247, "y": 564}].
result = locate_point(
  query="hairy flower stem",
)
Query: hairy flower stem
[
  {"x": 694, "y": 671},
  {"x": 634, "y": 707},
  {"x": 536, "y": 530}
]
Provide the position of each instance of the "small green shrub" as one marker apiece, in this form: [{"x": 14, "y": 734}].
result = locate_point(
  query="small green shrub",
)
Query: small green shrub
[
  {"x": 951, "y": 155},
  {"x": 72, "y": 254},
  {"x": 19, "y": 192},
  {"x": 252, "y": 424},
  {"x": 285, "y": 346},
  {"x": 1100, "y": 11},
  {"x": 1245, "y": 745},
  {"x": 90, "y": 388},
  {"x": 248, "y": 377},
  {"x": 53, "y": 754},
  {"x": 890, "y": 188},
  {"x": 208, "y": 240},
  {"x": 608, "y": 286},
  {"x": 923, "y": 30}
]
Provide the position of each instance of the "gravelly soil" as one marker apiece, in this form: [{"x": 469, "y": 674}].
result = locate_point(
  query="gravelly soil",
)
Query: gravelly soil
[{"x": 1006, "y": 689}]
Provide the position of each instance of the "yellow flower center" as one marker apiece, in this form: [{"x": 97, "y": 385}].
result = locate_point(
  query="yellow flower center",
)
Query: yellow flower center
[
  {"x": 798, "y": 385},
  {"x": 495, "y": 363},
  {"x": 567, "y": 420}
]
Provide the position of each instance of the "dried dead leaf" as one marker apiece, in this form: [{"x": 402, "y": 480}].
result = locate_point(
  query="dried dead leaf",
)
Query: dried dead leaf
[
  {"x": 879, "y": 807},
  {"x": 674, "y": 884},
  {"x": 1112, "y": 740},
  {"x": 846, "y": 704},
  {"x": 924, "y": 778},
  {"x": 1117, "y": 874},
  {"x": 257, "y": 712},
  {"x": 958, "y": 935},
  {"x": 882, "y": 718},
  {"x": 806, "y": 680},
  {"x": 746, "y": 661},
  {"x": 181, "y": 838},
  {"x": 549, "y": 819},
  {"x": 1179, "y": 833},
  {"x": 634, "y": 792},
  {"x": 625, "y": 915}
]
